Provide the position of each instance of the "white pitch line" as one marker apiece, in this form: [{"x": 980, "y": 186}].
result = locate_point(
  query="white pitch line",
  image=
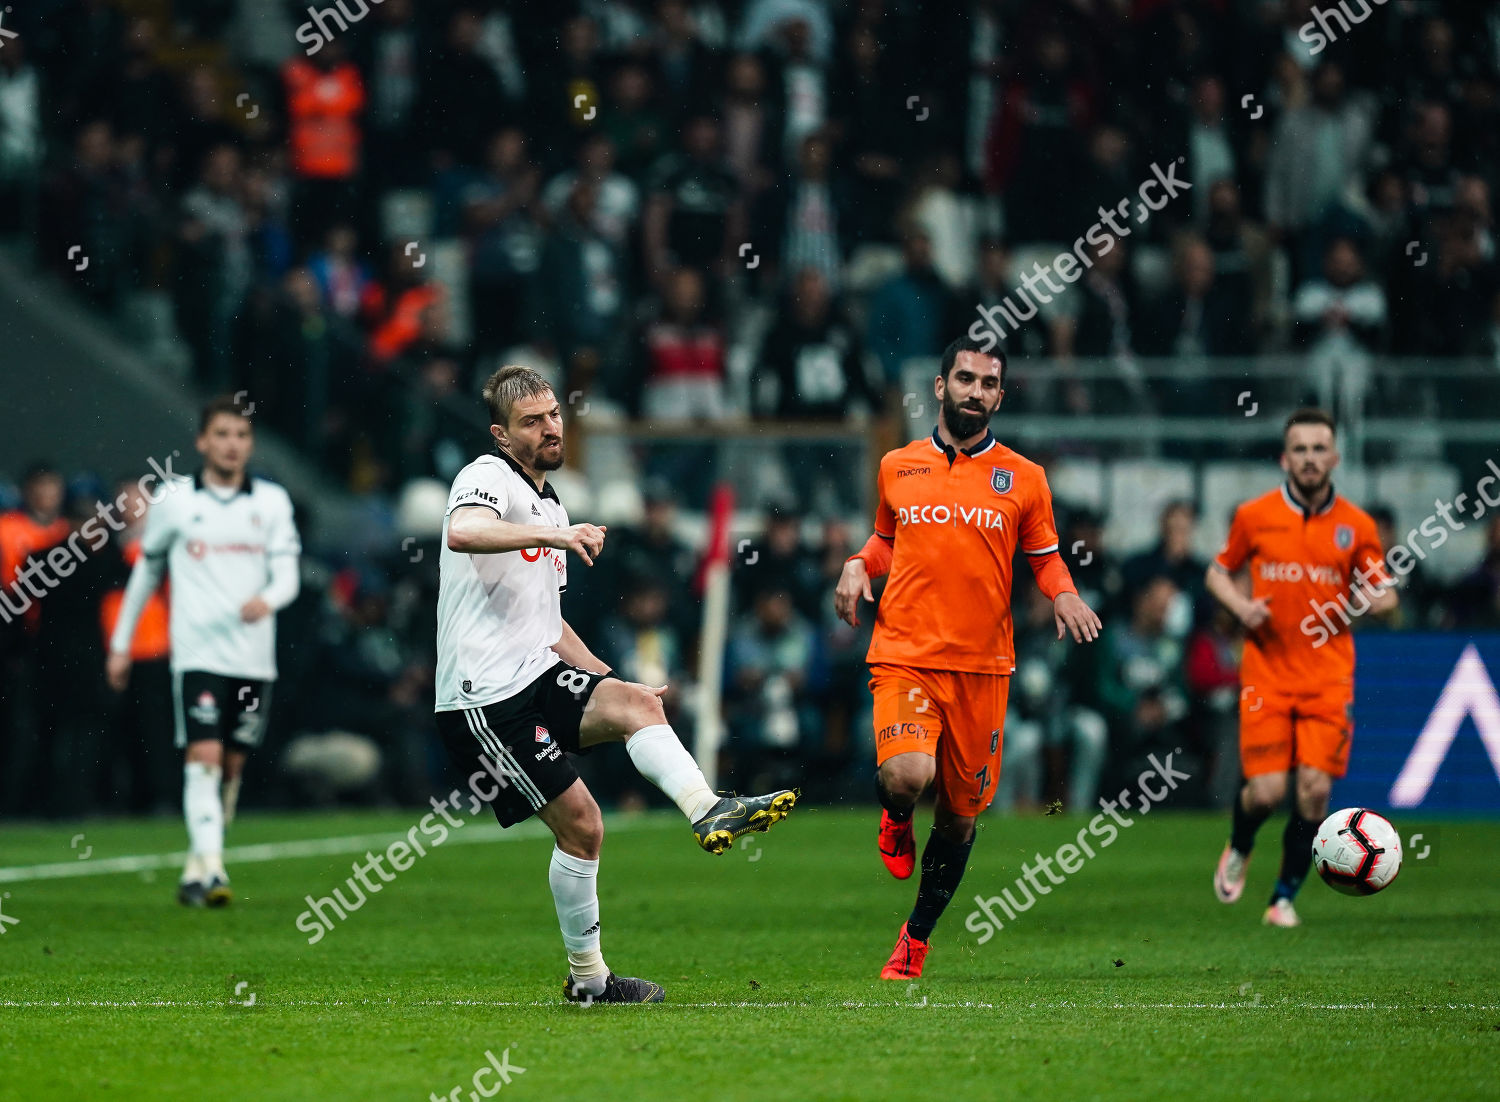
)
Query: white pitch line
[
  {"x": 468, "y": 834},
  {"x": 202, "y": 1004}
]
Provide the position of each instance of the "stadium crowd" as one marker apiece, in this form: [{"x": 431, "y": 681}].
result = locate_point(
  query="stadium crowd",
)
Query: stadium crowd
[{"x": 353, "y": 210}]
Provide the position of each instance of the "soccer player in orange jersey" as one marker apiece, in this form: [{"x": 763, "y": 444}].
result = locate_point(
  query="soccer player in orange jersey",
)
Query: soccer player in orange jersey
[
  {"x": 1315, "y": 564},
  {"x": 953, "y": 508}
]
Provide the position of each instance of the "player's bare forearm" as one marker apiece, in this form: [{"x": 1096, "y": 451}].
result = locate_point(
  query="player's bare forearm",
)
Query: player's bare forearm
[
  {"x": 478, "y": 531},
  {"x": 572, "y": 650}
]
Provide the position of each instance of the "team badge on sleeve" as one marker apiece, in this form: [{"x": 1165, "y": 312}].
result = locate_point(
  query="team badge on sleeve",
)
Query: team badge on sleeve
[
  {"x": 1343, "y": 537},
  {"x": 1000, "y": 480}
]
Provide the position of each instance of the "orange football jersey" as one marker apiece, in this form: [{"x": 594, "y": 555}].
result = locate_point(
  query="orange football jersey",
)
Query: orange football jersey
[
  {"x": 956, "y": 519},
  {"x": 1303, "y": 563}
]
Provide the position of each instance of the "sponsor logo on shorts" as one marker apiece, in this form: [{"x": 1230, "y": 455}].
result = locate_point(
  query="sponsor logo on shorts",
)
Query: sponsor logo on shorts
[
  {"x": 896, "y": 730},
  {"x": 542, "y": 735},
  {"x": 206, "y": 710}
]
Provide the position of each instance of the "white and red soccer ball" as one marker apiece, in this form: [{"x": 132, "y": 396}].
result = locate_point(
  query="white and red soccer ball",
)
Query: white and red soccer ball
[{"x": 1357, "y": 851}]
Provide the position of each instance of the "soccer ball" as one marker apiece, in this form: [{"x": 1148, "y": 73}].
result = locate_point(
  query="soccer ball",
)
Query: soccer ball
[{"x": 1357, "y": 851}]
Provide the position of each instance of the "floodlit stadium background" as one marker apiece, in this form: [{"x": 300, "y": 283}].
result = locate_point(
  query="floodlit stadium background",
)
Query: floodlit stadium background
[{"x": 737, "y": 235}]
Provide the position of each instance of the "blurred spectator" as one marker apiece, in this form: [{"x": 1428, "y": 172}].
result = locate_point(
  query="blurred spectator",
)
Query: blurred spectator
[
  {"x": 20, "y": 133},
  {"x": 779, "y": 560},
  {"x": 137, "y": 751},
  {"x": 1140, "y": 680},
  {"x": 1242, "y": 255},
  {"x": 1419, "y": 606},
  {"x": 682, "y": 355},
  {"x": 216, "y": 265},
  {"x": 1107, "y": 324},
  {"x": 1339, "y": 320},
  {"x": 812, "y": 362},
  {"x": 579, "y": 293},
  {"x": 24, "y": 532},
  {"x": 1036, "y": 149},
  {"x": 910, "y": 314},
  {"x": 865, "y": 102},
  {"x": 1316, "y": 149},
  {"x": 1198, "y": 315},
  {"x": 1474, "y": 603},
  {"x": 70, "y": 667},
  {"x": 775, "y": 677},
  {"x": 1210, "y": 144},
  {"x": 343, "y": 278},
  {"x": 1050, "y": 738},
  {"x": 503, "y": 218},
  {"x": 751, "y": 126},
  {"x": 403, "y": 310},
  {"x": 389, "y": 55},
  {"x": 688, "y": 71},
  {"x": 325, "y": 99},
  {"x": 1172, "y": 558},
  {"x": 634, "y": 124},
  {"x": 802, "y": 221},
  {"x": 461, "y": 101},
  {"x": 1211, "y": 674},
  {"x": 694, "y": 217},
  {"x": 617, "y": 200}
]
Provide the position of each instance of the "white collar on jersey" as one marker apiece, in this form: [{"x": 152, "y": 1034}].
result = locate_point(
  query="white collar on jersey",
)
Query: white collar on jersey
[{"x": 1293, "y": 503}]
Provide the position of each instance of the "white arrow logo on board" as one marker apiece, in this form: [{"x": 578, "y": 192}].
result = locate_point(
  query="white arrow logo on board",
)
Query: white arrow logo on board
[{"x": 1469, "y": 692}]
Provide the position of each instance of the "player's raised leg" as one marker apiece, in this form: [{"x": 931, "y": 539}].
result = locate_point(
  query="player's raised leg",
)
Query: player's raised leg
[
  {"x": 1309, "y": 809},
  {"x": 625, "y": 711},
  {"x": 1266, "y": 754},
  {"x": 578, "y": 827}
]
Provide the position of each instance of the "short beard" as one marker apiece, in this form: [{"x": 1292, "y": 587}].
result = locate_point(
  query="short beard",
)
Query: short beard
[
  {"x": 1317, "y": 489},
  {"x": 962, "y": 423}
]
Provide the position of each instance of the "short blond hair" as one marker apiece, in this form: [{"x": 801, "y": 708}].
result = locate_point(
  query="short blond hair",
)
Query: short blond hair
[{"x": 511, "y": 384}]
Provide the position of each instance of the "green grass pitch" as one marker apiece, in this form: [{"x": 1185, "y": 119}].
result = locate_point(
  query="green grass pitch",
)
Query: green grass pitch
[{"x": 1127, "y": 981}]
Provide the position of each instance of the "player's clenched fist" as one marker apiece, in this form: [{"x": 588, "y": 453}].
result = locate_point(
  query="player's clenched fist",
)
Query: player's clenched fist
[
  {"x": 854, "y": 583},
  {"x": 584, "y": 540}
]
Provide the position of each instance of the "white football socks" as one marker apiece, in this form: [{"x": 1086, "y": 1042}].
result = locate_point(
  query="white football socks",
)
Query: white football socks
[
  {"x": 662, "y": 759},
  {"x": 204, "y": 813},
  {"x": 575, "y": 892}
]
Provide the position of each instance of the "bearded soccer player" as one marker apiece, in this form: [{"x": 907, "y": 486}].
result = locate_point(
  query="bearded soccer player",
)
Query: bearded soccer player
[
  {"x": 1315, "y": 564},
  {"x": 516, "y": 686},
  {"x": 230, "y": 544},
  {"x": 953, "y": 508}
]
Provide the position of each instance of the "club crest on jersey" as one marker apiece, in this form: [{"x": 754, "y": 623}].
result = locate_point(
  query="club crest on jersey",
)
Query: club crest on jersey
[
  {"x": 1000, "y": 480},
  {"x": 1343, "y": 537},
  {"x": 206, "y": 710},
  {"x": 542, "y": 735}
]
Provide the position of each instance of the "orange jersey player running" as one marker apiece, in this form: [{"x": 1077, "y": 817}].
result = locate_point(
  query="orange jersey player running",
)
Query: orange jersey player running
[
  {"x": 953, "y": 509},
  {"x": 1315, "y": 563}
]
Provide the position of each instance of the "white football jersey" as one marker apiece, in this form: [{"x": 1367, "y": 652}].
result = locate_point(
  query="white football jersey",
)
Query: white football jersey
[
  {"x": 498, "y": 615},
  {"x": 221, "y": 548}
]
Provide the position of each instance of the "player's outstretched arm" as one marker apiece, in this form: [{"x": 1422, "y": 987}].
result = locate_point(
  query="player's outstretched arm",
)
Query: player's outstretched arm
[{"x": 478, "y": 531}]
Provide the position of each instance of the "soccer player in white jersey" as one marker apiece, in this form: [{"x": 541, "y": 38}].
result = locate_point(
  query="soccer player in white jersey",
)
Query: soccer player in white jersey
[
  {"x": 516, "y": 686},
  {"x": 230, "y": 545}
]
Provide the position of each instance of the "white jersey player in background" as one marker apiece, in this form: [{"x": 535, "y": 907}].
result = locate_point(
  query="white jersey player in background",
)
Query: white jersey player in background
[
  {"x": 230, "y": 544},
  {"x": 516, "y": 687}
]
